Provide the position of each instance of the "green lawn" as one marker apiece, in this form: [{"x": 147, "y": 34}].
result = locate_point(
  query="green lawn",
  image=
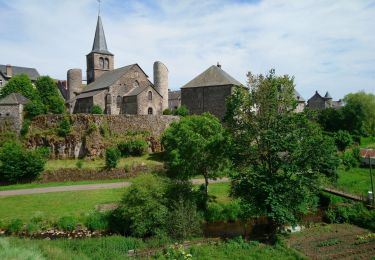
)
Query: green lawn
[
  {"x": 100, "y": 163},
  {"x": 356, "y": 180},
  {"x": 220, "y": 191},
  {"x": 367, "y": 142}
]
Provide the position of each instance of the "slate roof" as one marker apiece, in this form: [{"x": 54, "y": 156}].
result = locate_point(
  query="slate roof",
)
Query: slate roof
[
  {"x": 31, "y": 72},
  {"x": 174, "y": 95},
  {"x": 213, "y": 76},
  {"x": 327, "y": 96},
  {"x": 100, "y": 43},
  {"x": 13, "y": 99},
  {"x": 298, "y": 96},
  {"x": 88, "y": 94}
]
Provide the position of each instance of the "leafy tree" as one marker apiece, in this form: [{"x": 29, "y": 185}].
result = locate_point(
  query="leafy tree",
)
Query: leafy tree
[
  {"x": 142, "y": 211},
  {"x": 20, "y": 84},
  {"x": 96, "y": 110},
  {"x": 181, "y": 111},
  {"x": 331, "y": 119},
  {"x": 35, "y": 108},
  {"x": 167, "y": 112},
  {"x": 18, "y": 164},
  {"x": 65, "y": 127},
  {"x": 49, "y": 95},
  {"x": 196, "y": 145},
  {"x": 112, "y": 156},
  {"x": 343, "y": 139},
  {"x": 367, "y": 102},
  {"x": 277, "y": 154}
]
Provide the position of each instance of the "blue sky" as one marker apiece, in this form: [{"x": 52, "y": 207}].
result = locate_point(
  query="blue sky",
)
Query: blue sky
[{"x": 326, "y": 45}]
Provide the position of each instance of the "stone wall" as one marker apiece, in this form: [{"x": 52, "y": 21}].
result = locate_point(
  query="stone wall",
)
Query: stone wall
[
  {"x": 86, "y": 138},
  {"x": 11, "y": 117}
]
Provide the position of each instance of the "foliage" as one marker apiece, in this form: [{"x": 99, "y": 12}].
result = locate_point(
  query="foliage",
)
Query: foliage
[
  {"x": 181, "y": 111},
  {"x": 25, "y": 127},
  {"x": 112, "y": 156},
  {"x": 279, "y": 155},
  {"x": 15, "y": 226},
  {"x": 64, "y": 127},
  {"x": 67, "y": 223},
  {"x": 35, "y": 108},
  {"x": 196, "y": 145},
  {"x": 137, "y": 147},
  {"x": 49, "y": 95},
  {"x": 79, "y": 164},
  {"x": 21, "y": 84},
  {"x": 343, "y": 139},
  {"x": 329, "y": 242},
  {"x": 223, "y": 212},
  {"x": 97, "y": 221},
  {"x": 9, "y": 251},
  {"x": 348, "y": 160},
  {"x": 96, "y": 110},
  {"x": 176, "y": 252},
  {"x": 167, "y": 112},
  {"x": 142, "y": 211},
  {"x": 18, "y": 164},
  {"x": 331, "y": 119}
]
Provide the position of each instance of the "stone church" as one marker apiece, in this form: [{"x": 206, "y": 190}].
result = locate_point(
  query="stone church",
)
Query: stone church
[{"x": 126, "y": 90}]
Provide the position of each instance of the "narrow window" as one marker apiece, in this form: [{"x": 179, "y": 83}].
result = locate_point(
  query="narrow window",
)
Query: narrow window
[
  {"x": 149, "y": 111},
  {"x": 1, "y": 82},
  {"x": 106, "y": 63},
  {"x": 149, "y": 95},
  {"x": 101, "y": 63},
  {"x": 135, "y": 84},
  {"x": 118, "y": 101}
]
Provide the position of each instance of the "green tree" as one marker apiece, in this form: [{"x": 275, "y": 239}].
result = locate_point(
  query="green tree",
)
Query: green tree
[
  {"x": 20, "y": 84},
  {"x": 96, "y": 110},
  {"x": 35, "y": 108},
  {"x": 343, "y": 139},
  {"x": 196, "y": 145},
  {"x": 277, "y": 154},
  {"x": 18, "y": 164},
  {"x": 367, "y": 103},
  {"x": 112, "y": 156},
  {"x": 65, "y": 127},
  {"x": 49, "y": 95},
  {"x": 181, "y": 111}
]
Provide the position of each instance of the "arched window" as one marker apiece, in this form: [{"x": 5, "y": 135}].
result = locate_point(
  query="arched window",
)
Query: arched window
[
  {"x": 101, "y": 63},
  {"x": 149, "y": 95},
  {"x": 118, "y": 101},
  {"x": 135, "y": 84},
  {"x": 149, "y": 111},
  {"x": 106, "y": 63}
]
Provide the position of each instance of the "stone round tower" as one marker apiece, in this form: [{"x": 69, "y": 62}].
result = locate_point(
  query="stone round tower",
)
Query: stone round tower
[
  {"x": 74, "y": 78},
  {"x": 161, "y": 81}
]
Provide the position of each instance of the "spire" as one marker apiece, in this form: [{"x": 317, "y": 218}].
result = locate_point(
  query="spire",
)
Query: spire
[
  {"x": 328, "y": 96},
  {"x": 100, "y": 44}
]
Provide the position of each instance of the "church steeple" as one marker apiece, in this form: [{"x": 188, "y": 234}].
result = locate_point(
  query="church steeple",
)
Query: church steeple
[
  {"x": 99, "y": 60},
  {"x": 100, "y": 43}
]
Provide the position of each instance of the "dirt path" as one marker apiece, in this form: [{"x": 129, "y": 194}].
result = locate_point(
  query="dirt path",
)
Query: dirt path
[{"x": 85, "y": 187}]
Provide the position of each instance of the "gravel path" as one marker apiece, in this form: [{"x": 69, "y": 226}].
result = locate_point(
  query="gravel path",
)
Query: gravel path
[{"x": 85, "y": 187}]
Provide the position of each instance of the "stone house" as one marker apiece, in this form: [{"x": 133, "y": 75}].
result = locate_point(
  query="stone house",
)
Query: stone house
[
  {"x": 126, "y": 90},
  {"x": 300, "y": 102},
  {"x": 208, "y": 91},
  {"x": 174, "y": 99},
  {"x": 11, "y": 111},
  {"x": 8, "y": 71},
  {"x": 318, "y": 102}
]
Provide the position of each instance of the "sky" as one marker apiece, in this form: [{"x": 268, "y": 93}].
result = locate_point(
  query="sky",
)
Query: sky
[{"x": 326, "y": 45}]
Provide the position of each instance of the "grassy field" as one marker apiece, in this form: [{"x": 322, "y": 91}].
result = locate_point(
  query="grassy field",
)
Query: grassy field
[
  {"x": 117, "y": 247},
  {"x": 355, "y": 180},
  {"x": 367, "y": 142}
]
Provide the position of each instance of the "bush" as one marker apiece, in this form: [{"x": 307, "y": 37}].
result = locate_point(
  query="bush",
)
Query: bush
[
  {"x": 18, "y": 164},
  {"x": 56, "y": 105},
  {"x": 97, "y": 221},
  {"x": 343, "y": 139},
  {"x": 35, "y": 108},
  {"x": 79, "y": 164},
  {"x": 142, "y": 211},
  {"x": 15, "y": 226},
  {"x": 67, "y": 223},
  {"x": 25, "y": 127},
  {"x": 223, "y": 212},
  {"x": 181, "y": 111},
  {"x": 133, "y": 148},
  {"x": 167, "y": 112},
  {"x": 96, "y": 110},
  {"x": 64, "y": 127},
  {"x": 348, "y": 160},
  {"x": 112, "y": 156}
]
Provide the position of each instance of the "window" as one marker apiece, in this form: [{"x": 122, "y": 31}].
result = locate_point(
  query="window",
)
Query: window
[
  {"x": 149, "y": 95},
  {"x": 7, "y": 114},
  {"x": 118, "y": 101},
  {"x": 149, "y": 111},
  {"x": 106, "y": 63},
  {"x": 1, "y": 82},
  {"x": 135, "y": 84},
  {"x": 101, "y": 63}
]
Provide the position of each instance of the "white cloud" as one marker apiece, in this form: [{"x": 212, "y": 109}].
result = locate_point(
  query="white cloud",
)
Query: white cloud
[{"x": 326, "y": 45}]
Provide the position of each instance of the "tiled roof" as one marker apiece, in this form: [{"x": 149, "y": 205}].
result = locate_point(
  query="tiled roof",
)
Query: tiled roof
[
  {"x": 13, "y": 99},
  {"x": 174, "y": 95},
  {"x": 31, "y": 72}
]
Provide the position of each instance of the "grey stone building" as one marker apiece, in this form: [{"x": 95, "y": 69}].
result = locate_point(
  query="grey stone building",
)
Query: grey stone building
[
  {"x": 208, "y": 91},
  {"x": 300, "y": 102},
  {"x": 126, "y": 90},
  {"x": 318, "y": 102},
  {"x": 11, "y": 112},
  {"x": 8, "y": 71},
  {"x": 174, "y": 99}
]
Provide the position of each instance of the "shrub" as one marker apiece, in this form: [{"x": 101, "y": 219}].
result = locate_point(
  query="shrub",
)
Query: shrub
[
  {"x": 35, "y": 108},
  {"x": 167, "y": 112},
  {"x": 181, "y": 111},
  {"x": 96, "y": 110},
  {"x": 97, "y": 221},
  {"x": 348, "y": 160},
  {"x": 64, "y": 127},
  {"x": 32, "y": 227},
  {"x": 56, "y": 105},
  {"x": 18, "y": 164},
  {"x": 136, "y": 147},
  {"x": 142, "y": 211},
  {"x": 15, "y": 226},
  {"x": 223, "y": 212},
  {"x": 112, "y": 156},
  {"x": 343, "y": 139},
  {"x": 67, "y": 223},
  {"x": 25, "y": 127},
  {"x": 79, "y": 164}
]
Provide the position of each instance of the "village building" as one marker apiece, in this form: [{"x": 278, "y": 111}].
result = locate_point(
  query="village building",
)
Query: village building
[
  {"x": 174, "y": 99},
  {"x": 8, "y": 71},
  {"x": 125, "y": 90},
  {"x": 318, "y": 102},
  {"x": 300, "y": 102},
  {"x": 11, "y": 112}
]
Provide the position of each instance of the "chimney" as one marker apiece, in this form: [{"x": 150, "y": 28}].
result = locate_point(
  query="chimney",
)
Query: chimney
[
  {"x": 9, "y": 70},
  {"x": 218, "y": 64}
]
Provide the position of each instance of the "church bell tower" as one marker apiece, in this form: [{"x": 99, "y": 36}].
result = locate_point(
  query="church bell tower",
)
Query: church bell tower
[{"x": 99, "y": 60}]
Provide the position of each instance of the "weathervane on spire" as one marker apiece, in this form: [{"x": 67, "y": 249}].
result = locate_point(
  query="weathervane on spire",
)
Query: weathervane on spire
[{"x": 99, "y": 2}]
